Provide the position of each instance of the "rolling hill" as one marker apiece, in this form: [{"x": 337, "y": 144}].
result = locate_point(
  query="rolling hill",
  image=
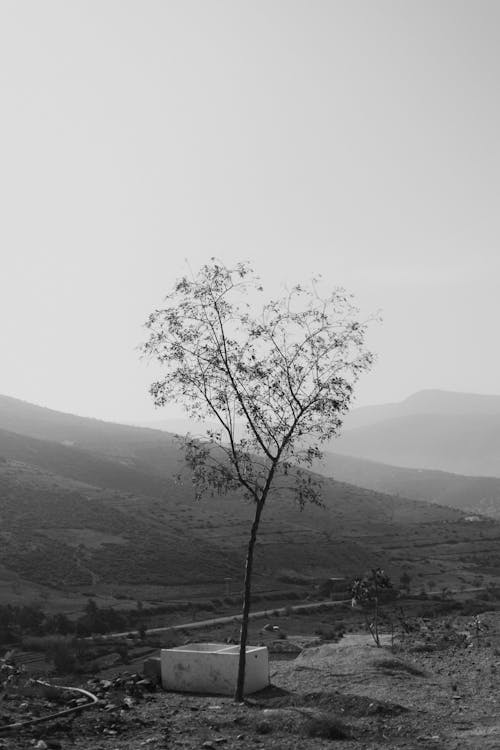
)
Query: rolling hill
[
  {"x": 88, "y": 505},
  {"x": 452, "y": 432},
  {"x": 472, "y": 494}
]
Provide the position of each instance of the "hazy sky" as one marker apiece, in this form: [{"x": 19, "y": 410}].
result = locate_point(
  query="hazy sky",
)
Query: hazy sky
[{"x": 356, "y": 139}]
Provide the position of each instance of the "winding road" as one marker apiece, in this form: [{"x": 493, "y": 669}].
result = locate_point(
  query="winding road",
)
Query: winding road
[{"x": 233, "y": 618}]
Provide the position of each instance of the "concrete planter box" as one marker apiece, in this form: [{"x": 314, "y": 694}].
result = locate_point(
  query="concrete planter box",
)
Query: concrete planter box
[{"x": 212, "y": 668}]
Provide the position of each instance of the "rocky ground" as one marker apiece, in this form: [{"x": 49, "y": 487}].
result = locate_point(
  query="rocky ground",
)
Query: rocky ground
[{"x": 437, "y": 689}]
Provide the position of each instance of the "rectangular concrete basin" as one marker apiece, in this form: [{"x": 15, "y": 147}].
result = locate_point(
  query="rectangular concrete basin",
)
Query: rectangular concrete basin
[{"x": 213, "y": 668}]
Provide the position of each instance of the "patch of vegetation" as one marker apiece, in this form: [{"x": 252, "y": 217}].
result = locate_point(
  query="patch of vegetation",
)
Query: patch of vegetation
[
  {"x": 325, "y": 727},
  {"x": 396, "y": 665}
]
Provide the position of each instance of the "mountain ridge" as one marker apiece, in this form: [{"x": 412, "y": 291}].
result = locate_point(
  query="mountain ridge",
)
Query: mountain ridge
[{"x": 426, "y": 401}]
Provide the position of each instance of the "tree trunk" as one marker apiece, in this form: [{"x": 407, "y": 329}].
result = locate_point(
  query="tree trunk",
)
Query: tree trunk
[
  {"x": 377, "y": 639},
  {"x": 240, "y": 683}
]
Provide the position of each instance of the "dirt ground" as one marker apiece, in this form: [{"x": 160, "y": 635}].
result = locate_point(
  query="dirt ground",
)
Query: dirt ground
[{"x": 437, "y": 690}]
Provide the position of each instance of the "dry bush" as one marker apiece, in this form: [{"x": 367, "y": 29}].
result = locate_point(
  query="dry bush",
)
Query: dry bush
[{"x": 326, "y": 727}]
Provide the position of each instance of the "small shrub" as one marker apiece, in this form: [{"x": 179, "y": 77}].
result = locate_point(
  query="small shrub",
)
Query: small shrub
[
  {"x": 325, "y": 727},
  {"x": 263, "y": 727},
  {"x": 326, "y": 634},
  {"x": 63, "y": 657},
  {"x": 423, "y": 648}
]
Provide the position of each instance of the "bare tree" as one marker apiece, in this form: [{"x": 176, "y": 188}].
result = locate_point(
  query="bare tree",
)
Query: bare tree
[{"x": 276, "y": 383}]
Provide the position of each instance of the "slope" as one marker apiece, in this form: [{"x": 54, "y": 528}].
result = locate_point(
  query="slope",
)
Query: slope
[
  {"x": 463, "y": 444},
  {"x": 87, "y": 503},
  {"x": 431, "y": 401},
  {"x": 137, "y": 446},
  {"x": 474, "y": 494},
  {"x": 70, "y": 518}
]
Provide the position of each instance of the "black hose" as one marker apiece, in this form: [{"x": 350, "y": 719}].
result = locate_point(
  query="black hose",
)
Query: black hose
[{"x": 21, "y": 724}]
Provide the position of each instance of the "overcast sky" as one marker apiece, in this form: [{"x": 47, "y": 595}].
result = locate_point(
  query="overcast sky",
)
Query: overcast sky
[{"x": 356, "y": 139}]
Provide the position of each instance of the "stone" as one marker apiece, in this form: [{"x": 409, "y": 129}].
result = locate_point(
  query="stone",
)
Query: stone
[
  {"x": 146, "y": 685},
  {"x": 152, "y": 669}
]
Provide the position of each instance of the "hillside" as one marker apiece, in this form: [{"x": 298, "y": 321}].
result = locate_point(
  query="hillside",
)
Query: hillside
[
  {"x": 50, "y": 507},
  {"x": 452, "y": 432},
  {"x": 433, "y": 401},
  {"x": 134, "y": 445},
  {"x": 474, "y": 494},
  {"x": 462, "y": 444},
  {"x": 457, "y": 433},
  {"x": 99, "y": 510}
]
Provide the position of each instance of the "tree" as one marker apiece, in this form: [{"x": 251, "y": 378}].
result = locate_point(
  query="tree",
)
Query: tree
[
  {"x": 367, "y": 591},
  {"x": 276, "y": 383}
]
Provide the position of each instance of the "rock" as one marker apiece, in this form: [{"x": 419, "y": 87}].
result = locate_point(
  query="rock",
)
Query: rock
[
  {"x": 152, "y": 669},
  {"x": 41, "y": 745},
  {"x": 146, "y": 685}
]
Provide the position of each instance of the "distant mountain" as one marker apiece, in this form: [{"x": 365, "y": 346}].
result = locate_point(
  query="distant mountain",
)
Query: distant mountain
[
  {"x": 472, "y": 494},
  {"x": 453, "y": 432},
  {"x": 424, "y": 402}
]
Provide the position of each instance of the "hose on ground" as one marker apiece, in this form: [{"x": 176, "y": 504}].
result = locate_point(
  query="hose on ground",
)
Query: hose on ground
[{"x": 93, "y": 699}]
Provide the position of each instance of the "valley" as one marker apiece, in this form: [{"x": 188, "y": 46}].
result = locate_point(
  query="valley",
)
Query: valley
[{"x": 101, "y": 510}]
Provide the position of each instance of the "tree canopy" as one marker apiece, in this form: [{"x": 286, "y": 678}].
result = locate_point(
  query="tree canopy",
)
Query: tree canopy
[{"x": 276, "y": 383}]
